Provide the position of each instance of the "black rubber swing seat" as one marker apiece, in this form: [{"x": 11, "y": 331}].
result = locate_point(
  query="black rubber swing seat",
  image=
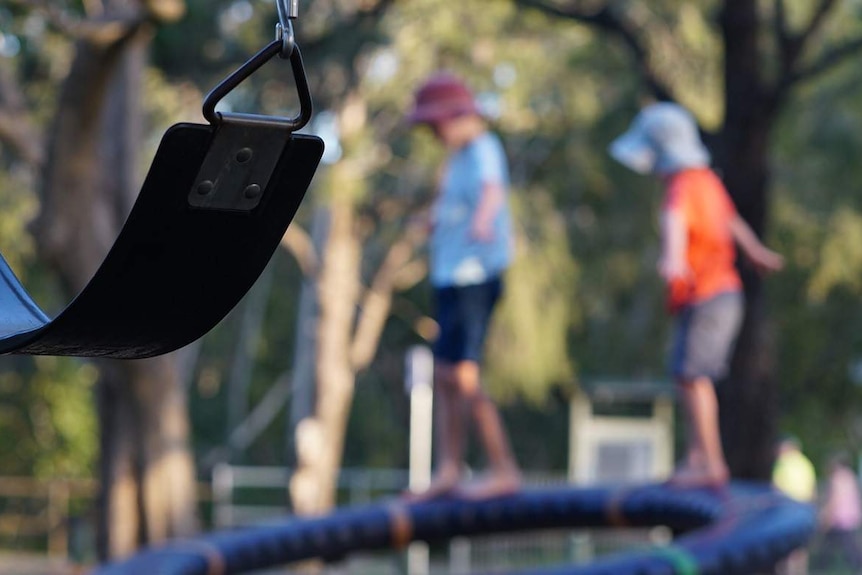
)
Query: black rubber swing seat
[{"x": 212, "y": 210}]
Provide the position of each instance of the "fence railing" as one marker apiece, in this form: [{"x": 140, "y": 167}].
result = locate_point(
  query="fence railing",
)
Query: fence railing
[
  {"x": 38, "y": 514},
  {"x": 246, "y": 494},
  {"x": 54, "y": 517}
]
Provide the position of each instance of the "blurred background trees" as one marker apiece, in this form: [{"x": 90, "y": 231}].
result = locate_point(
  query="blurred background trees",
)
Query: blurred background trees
[{"x": 559, "y": 80}]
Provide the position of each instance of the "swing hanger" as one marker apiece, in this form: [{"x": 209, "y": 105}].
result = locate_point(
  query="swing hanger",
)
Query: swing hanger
[{"x": 285, "y": 46}]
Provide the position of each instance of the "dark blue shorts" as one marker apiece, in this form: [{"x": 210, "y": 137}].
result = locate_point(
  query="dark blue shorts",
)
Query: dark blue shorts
[
  {"x": 463, "y": 314},
  {"x": 704, "y": 337}
]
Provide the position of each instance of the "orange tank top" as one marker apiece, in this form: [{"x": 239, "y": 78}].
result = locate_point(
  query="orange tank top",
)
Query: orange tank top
[{"x": 700, "y": 199}]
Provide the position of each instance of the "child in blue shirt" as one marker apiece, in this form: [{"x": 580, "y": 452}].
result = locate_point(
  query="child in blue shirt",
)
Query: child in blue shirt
[{"x": 470, "y": 249}]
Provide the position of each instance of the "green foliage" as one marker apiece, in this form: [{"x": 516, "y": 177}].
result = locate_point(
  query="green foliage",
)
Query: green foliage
[
  {"x": 840, "y": 259},
  {"x": 47, "y": 411},
  {"x": 17, "y": 207},
  {"x": 63, "y": 419},
  {"x": 527, "y": 346},
  {"x": 48, "y": 425},
  {"x": 380, "y": 410},
  {"x": 196, "y": 46},
  {"x": 816, "y": 223}
]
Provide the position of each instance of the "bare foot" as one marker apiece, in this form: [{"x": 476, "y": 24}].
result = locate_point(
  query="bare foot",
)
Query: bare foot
[
  {"x": 689, "y": 476},
  {"x": 492, "y": 485},
  {"x": 443, "y": 484}
]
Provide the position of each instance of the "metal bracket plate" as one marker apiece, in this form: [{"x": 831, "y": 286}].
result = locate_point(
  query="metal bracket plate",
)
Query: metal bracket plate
[{"x": 237, "y": 169}]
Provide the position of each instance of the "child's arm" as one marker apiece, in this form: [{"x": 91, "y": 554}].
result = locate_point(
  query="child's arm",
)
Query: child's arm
[
  {"x": 758, "y": 254},
  {"x": 492, "y": 197},
  {"x": 672, "y": 264}
]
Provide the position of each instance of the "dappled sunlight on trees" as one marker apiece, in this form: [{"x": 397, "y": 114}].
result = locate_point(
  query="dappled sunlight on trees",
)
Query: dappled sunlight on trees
[{"x": 528, "y": 351}]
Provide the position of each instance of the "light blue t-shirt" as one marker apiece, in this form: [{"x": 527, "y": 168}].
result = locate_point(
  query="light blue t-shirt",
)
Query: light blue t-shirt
[{"x": 457, "y": 258}]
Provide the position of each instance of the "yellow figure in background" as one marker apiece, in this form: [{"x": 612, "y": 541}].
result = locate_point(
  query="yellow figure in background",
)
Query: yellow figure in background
[{"x": 794, "y": 475}]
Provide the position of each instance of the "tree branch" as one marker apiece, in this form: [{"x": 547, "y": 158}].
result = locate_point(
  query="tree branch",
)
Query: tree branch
[
  {"x": 102, "y": 29},
  {"x": 827, "y": 61},
  {"x": 16, "y": 128},
  {"x": 817, "y": 20},
  {"x": 779, "y": 24},
  {"x": 608, "y": 19},
  {"x": 299, "y": 243},
  {"x": 395, "y": 273},
  {"x": 17, "y": 133},
  {"x": 369, "y": 12},
  {"x": 58, "y": 18},
  {"x": 792, "y": 46}
]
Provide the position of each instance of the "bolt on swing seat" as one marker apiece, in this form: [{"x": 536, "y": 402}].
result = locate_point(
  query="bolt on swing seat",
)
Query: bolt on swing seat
[{"x": 212, "y": 210}]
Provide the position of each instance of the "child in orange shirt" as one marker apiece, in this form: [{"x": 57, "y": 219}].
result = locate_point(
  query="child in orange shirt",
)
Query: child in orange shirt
[{"x": 699, "y": 230}]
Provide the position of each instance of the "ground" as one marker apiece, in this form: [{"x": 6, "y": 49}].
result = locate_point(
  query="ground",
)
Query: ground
[{"x": 14, "y": 564}]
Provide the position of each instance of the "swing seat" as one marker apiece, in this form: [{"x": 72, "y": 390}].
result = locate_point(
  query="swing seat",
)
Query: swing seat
[{"x": 213, "y": 209}]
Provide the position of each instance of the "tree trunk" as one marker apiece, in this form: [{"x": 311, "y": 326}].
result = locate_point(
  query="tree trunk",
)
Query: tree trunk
[
  {"x": 305, "y": 348},
  {"x": 320, "y": 437},
  {"x": 119, "y": 510},
  {"x": 749, "y": 399},
  {"x": 166, "y": 480},
  {"x": 345, "y": 344},
  {"x": 147, "y": 474}
]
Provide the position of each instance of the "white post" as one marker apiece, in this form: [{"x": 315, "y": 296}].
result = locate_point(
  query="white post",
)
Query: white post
[
  {"x": 581, "y": 459},
  {"x": 222, "y": 483},
  {"x": 460, "y": 556},
  {"x": 419, "y": 384}
]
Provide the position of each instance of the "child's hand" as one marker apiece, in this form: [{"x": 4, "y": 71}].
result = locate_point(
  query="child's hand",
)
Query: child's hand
[
  {"x": 677, "y": 274},
  {"x": 482, "y": 229},
  {"x": 671, "y": 269},
  {"x": 420, "y": 224},
  {"x": 766, "y": 260},
  {"x": 761, "y": 257}
]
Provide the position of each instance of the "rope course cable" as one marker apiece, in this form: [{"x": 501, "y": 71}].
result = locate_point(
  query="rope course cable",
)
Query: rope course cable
[{"x": 741, "y": 529}]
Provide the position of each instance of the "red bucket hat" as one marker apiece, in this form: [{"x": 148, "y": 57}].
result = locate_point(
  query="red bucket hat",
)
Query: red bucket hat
[{"x": 442, "y": 96}]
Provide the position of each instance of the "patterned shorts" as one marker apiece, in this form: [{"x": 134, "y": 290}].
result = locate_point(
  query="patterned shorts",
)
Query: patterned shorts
[{"x": 705, "y": 333}]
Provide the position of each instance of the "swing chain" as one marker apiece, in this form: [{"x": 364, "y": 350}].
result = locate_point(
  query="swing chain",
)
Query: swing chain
[{"x": 288, "y": 11}]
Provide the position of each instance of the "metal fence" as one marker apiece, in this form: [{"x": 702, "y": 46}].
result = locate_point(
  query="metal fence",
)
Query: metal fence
[
  {"x": 243, "y": 495},
  {"x": 44, "y": 516}
]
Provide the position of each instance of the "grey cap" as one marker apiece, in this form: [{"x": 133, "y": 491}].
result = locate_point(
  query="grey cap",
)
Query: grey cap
[{"x": 663, "y": 139}]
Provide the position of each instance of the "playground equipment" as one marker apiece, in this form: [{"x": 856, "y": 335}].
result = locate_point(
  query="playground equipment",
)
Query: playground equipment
[
  {"x": 739, "y": 529},
  {"x": 621, "y": 447},
  {"x": 213, "y": 209}
]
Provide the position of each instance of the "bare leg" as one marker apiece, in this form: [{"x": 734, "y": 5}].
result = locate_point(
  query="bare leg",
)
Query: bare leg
[
  {"x": 695, "y": 458},
  {"x": 449, "y": 424},
  {"x": 705, "y": 464},
  {"x": 504, "y": 476},
  {"x": 794, "y": 564}
]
